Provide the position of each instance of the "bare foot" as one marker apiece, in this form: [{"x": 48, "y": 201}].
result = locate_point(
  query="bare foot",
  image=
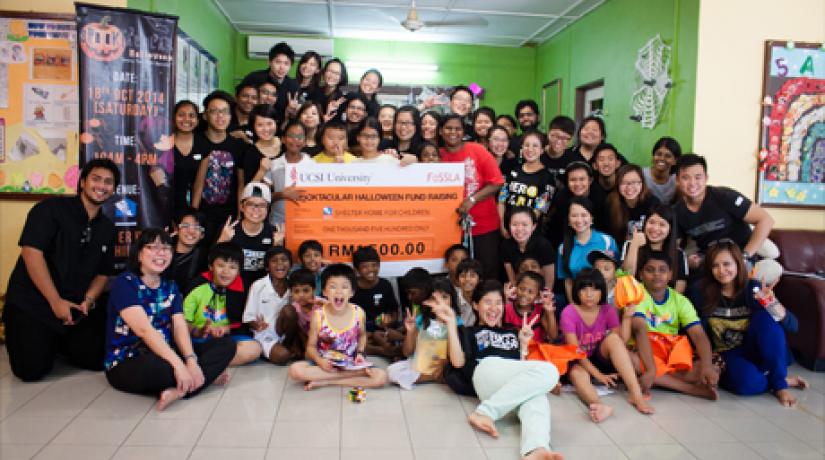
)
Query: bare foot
[
  {"x": 703, "y": 391},
  {"x": 168, "y": 396},
  {"x": 786, "y": 398},
  {"x": 543, "y": 454},
  {"x": 556, "y": 389},
  {"x": 483, "y": 423},
  {"x": 796, "y": 381},
  {"x": 640, "y": 403},
  {"x": 600, "y": 411},
  {"x": 223, "y": 379}
]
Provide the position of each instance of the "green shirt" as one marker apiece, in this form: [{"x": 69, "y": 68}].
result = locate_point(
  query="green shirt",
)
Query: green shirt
[
  {"x": 203, "y": 304},
  {"x": 670, "y": 316}
]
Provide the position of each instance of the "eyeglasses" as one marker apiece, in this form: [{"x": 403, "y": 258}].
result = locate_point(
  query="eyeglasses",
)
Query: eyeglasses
[
  {"x": 405, "y": 123},
  {"x": 727, "y": 242},
  {"x": 86, "y": 235},
  {"x": 632, "y": 183},
  {"x": 190, "y": 227},
  {"x": 256, "y": 205},
  {"x": 218, "y": 111},
  {"x": 158, "y": 247}
]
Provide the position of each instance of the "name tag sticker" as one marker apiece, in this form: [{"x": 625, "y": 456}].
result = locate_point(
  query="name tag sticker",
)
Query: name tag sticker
[
  {"x": 739, "y": 200},
  {"x": 197, "y": 156},
  {"x": 266, "y": 241}
]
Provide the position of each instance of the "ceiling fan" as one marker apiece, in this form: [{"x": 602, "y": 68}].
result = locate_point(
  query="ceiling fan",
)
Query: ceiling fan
[{"x": 412, "y": 23}]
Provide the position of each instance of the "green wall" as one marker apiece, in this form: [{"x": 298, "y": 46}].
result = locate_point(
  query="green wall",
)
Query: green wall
[
  {"x": 603, "y": 45},
  {"x": 507, "y": 74},
  {"x": 202, "y": 21}
]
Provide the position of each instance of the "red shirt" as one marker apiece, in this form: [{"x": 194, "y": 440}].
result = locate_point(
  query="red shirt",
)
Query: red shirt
[{"x": 480, "y": 169}]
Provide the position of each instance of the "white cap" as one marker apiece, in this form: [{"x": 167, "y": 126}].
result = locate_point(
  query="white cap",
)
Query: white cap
[{"x": 257, "y": 189}]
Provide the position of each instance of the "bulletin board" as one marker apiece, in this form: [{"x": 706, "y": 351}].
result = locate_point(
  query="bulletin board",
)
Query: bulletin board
[
  {"x": 792, "y": 139},
  {"x": 39, "y": 110},
  {"x": 196, "y": 72}
]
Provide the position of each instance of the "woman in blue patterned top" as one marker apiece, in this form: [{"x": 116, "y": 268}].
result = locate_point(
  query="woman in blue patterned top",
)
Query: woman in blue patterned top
[{"x": 148, "y": 349}]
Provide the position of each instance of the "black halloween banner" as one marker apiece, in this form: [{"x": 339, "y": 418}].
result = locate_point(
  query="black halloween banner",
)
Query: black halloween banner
[{"x": 127, "y": 81}]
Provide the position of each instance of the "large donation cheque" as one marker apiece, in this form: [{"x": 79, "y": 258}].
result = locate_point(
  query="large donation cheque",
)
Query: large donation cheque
[{"x": 408, "y": 214}]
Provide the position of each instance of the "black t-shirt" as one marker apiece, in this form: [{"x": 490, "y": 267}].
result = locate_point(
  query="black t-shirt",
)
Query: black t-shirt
[
  {"x": 508, "y": 164},
  {"x": 186, "y": 168},
  {"x": 375, "y": 301},
  {"x": 76, "y": 250},
  {"x": 186, "y": 267},
  {"x": 252, "y": 157},
  {"x": 527, "y": 189},
  {"x": 556, "y": 166},
  {"x": 220, "y": 189},
  {"x": 287, "y": 86},
  {"x": 254, "y": 248},
  {"x": 636, "y": 217},
  {"x": 479, "y": 342},
  {"x": 538, "y": 247},
  {"x": 557, "y": 222},
  {"x": 721, "y": 215}
]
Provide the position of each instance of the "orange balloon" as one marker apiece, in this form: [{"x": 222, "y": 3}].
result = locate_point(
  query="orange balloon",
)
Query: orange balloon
[
  {"x": 94, "y": 123},
  {"x": 87, "y": 138}
]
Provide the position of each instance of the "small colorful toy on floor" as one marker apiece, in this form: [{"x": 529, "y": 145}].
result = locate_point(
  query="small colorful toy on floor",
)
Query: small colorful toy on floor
[{"x": 357, "y": 394}]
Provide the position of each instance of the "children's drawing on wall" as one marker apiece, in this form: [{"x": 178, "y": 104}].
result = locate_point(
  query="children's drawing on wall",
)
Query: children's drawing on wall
[{"x": 792, "y": 142}]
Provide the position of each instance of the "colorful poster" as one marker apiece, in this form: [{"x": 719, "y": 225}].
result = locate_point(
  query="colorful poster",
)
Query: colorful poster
[
  {"x": 126, "y": 68},
  {"x": 408, "y": 215},
  {"x": 38, "y": 105},
  {"x": 792, "y": 141}
]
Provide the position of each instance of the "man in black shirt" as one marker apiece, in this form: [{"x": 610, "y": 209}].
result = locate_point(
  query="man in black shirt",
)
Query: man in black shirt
[
  {"x": 707, "y": 214},
  {"x": 281, "y": 57},
  {"x": 527, "y": 113},
  {"x": 558, "y": 156},
  {"x": 65, "y": 258}
]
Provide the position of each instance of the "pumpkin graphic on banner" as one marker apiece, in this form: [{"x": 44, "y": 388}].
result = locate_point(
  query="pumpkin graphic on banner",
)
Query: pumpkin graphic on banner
[{"x": 102, "y": 41}]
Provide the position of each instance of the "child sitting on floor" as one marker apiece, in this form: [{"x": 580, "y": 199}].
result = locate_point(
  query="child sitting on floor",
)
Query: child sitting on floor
[
  {"x": 267, "y": 297},
  {"x": 452, "y": 257},
  {"x": 214, "y": 307},
  {"x": 666, "y": 356},
  {"x": 532, "y": 299},
  {"x": 337, "y": 338},
  {"x": 293, "y": 321},
  {"x": 425, "y": 342},
  {"x": 311, "y": 257},
  {"x": 469, "y": 273},
  {"x": 375, "y": 295},
  {"x": 594, "y": 327}
]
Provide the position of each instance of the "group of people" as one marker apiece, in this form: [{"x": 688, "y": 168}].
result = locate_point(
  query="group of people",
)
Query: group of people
[{"x": 538, "y": 295}]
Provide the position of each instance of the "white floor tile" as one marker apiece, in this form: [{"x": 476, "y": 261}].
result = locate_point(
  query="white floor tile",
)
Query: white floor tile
[
  {"x": 227, "y": 453},
  {"x": 116, "y": 404},
  {"x": 234, "y": 433},
  {"x": 155, "y": 432},
  {"x": 688, "y": 430},
  {"x": 435, "y": 433},
  {"x": 721, "y": 451},
  {"x": 574, "y": 433},
  {"x": 456, "y": 453},
  {"x": 319, "y": 433},
  {"x": 96, "y": 431},
  {"x": 658, "y": 451},
  {"x": 753, "y": 429},
  {"x": 20, "y": 429},
  {"x": 18, "y": 451},
  {"x": 152, "y": 452},
  {"x": 786, "y": 451},
  {"x": 75, "y": 452},
  {"x": 585, "y": 452},
  {"x": 376, "y": 434},
  {"x": 377, "y": 453},
  {"x": 640, "y": 431},
  {"x": 308, "y": 410},
  {"x": 303, "y": 453},
  {"x": 245, "y": 409}
]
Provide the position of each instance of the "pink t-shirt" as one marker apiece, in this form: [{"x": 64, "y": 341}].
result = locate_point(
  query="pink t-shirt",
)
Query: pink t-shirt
[{"x": 589, "y": 336}]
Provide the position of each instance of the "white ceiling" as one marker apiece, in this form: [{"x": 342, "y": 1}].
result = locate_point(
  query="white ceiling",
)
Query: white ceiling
[{"x": 508, "y": 22}]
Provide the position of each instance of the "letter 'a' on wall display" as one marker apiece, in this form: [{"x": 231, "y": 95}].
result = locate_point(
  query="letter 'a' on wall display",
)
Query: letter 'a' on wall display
[
  {"x": 791, "y": 154},
  {"x": 409, "y": 218},
  {"x": 38, "y": 105},
  {"x": 127, "y": 85}
]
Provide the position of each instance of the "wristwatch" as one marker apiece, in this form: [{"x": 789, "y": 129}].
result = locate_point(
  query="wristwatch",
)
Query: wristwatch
[
  {"x": 192, "y": 356},
  {"x": 472, "y": 199}
]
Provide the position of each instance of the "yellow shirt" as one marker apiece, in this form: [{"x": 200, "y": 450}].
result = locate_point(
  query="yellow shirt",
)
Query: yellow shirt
[{"x": 324, "y": 158}]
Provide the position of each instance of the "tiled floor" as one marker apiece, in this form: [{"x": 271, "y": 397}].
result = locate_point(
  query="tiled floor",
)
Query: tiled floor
[{"x": 262, "y": 415}]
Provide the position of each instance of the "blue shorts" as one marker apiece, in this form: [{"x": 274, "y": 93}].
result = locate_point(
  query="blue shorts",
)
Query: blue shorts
[{"x": 241, "y": 338}]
